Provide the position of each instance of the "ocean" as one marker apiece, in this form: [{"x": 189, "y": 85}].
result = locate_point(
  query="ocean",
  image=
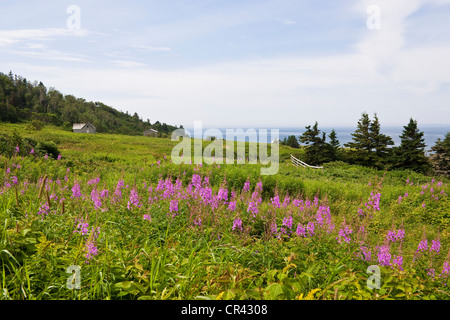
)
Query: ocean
[{"x": 431, "y": 133}]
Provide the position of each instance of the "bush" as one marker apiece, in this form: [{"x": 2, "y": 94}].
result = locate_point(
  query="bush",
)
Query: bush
[
  {"x": 47, "y": 147},
  {"x": 36, "y": 125}
]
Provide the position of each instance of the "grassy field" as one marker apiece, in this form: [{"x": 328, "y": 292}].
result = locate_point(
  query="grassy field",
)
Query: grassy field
[{"x": 137, "y": 226}]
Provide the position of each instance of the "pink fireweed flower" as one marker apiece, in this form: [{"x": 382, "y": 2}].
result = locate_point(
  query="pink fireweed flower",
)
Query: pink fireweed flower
[
  {"x": 196, "y": 181},
  {"x": 76, "y": 191},
  {"x": 222, "y": 194},
  {"x": 310, "y": 228},
  {"x": 104, "y": 193},
  {"x": 435, "y": 245},
  {"x": 91, "y": 249},
  {"x": 44, "y": 209},
  {"x": 344, "y": 234},
  {"x": 393, "y": 236},
  {"x": 173, "y": 206},
  {"x": 96, "y": 199},
  {"x": 367, "y": 255},
  {"x": 93, "y": 181},
  {"x": 82, "y": 227},
  {"x": 32, "y": 151},
  {"x": 59, "y": 157},
  {"x": 232, "y": 206},
  {"x": 400, "y": 234},
  {"x": 118, "y": 190},
  {"x": 276, "y": 201},
  {"x": 256, "y": 197},
  {"x": 17, "y": 149},
  {"x": 14, "y": 180},
  {"x": 297, "y": 202},
  {"x": 134, "y": 200},
  {"x": 259, "y": 186},
  {"x": 287, "y": 222},
  {"x": 301, "y": 230},
  {"x": 374, "y": 202},
  {"x": 286, "y": 201},
  {"x": 246, "y": 186},
  {"x": 445, "y": 270},
  {"x": 384, "y": 255},
  {"x": 198, "y": 222},
  {"x": 398, "y": 261},
  {"x": 147, "y": 217},
  {"x": 423, "y": 246},
  {"x": 273, "y": 227},
  {"x": 253, "y": 208},
  {"x": 237, "y": 224}
]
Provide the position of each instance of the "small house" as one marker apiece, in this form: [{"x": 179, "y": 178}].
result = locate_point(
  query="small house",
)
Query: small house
[
  {"x": 84, "y": 128},
  {"x": 150, "y": 133}
]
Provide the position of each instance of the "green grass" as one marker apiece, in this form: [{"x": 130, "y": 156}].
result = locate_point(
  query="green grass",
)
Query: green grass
[{"x": 175, "y": 259}]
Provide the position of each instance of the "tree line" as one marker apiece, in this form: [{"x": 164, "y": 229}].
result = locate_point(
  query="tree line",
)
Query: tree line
[
  {"x": 370, "y": 147},
  {"x": 22, "y": 100}
]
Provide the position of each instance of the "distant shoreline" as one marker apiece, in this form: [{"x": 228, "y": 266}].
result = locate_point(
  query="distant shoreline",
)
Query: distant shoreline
[{"x": 431, "y": 132}]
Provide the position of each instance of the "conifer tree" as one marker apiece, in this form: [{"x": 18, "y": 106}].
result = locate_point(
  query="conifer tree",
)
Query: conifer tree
[
  {"x": 380, "y": 144},
  {"x": 369, "y": 144},
  {"x": 316, "y": 150},
  {"x": 411, "y": 152},
  {"x": 440, "y": 159},
  {"x": 334, "y": 146}
]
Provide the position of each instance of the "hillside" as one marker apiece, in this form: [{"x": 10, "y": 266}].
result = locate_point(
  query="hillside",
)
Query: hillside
[
  {"x": 23, "y": 100},
  {"x": 139, "y": 226}
]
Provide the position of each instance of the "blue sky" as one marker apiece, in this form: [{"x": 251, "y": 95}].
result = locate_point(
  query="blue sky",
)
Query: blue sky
[{"x": 239, "y": 63}]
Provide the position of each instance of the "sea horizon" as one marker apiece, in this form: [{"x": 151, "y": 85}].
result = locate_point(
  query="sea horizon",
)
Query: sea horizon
[{"x": 431, "y": 132}]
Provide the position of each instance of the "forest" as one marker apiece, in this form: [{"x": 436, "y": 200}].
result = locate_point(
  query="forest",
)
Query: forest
[{"x": 23, "y": 100}]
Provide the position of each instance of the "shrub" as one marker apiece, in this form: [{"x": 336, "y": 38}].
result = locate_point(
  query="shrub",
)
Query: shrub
[
  {"x": 47, "y": 147},
  {"x": 36, "y": 125}
]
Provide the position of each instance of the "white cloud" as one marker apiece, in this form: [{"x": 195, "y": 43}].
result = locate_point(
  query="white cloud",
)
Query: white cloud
[
  {"x": 286, "y": 21},
  {"x": 127, "y": 63},
  {"x": 11, "y": 37},
  {"x": 381, "y": 73}
]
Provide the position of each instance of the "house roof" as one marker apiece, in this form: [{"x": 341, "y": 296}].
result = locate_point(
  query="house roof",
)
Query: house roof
[
  {"x": 78, "y": 126},
  {"x": 153, "y": 130}
]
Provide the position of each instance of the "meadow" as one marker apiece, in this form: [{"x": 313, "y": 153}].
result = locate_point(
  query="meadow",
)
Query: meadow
[{"x": 137, "y": 226}]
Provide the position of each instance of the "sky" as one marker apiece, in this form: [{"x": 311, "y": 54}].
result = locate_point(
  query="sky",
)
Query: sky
[{"x": 239, "y": 63}]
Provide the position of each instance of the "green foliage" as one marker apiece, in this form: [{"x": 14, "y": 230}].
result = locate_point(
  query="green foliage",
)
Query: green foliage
[
  {"x": 292, "y": 142},
  {"x": 411, "y": 152},
  {"x": 35, "y": 125},
  {"x": 369, "y": 145},
  {"x": 440, "y": 158},
  {"x": 169, "y": 258},
  {"x": 317, "y": 151},
  {"x": 47, "y": 147},
  {"x": 22, "y": 100}
]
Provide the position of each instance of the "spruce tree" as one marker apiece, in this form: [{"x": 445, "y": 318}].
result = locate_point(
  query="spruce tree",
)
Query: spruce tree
[
  {"x": 316, "y": 145},
  {"x": 440, "y": 159},
  {"x": 411, "y": 152},
  {"x": 334, "y": 146},
  {"x": 380, "y": 143},
  {"x": 361, "y": 143},
  {"x": 369, "y": 144},
  {"x": 292, "y": 142}
]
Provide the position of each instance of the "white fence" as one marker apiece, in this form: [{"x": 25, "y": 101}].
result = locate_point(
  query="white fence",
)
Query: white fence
[{"x": 300, "y": 163}]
